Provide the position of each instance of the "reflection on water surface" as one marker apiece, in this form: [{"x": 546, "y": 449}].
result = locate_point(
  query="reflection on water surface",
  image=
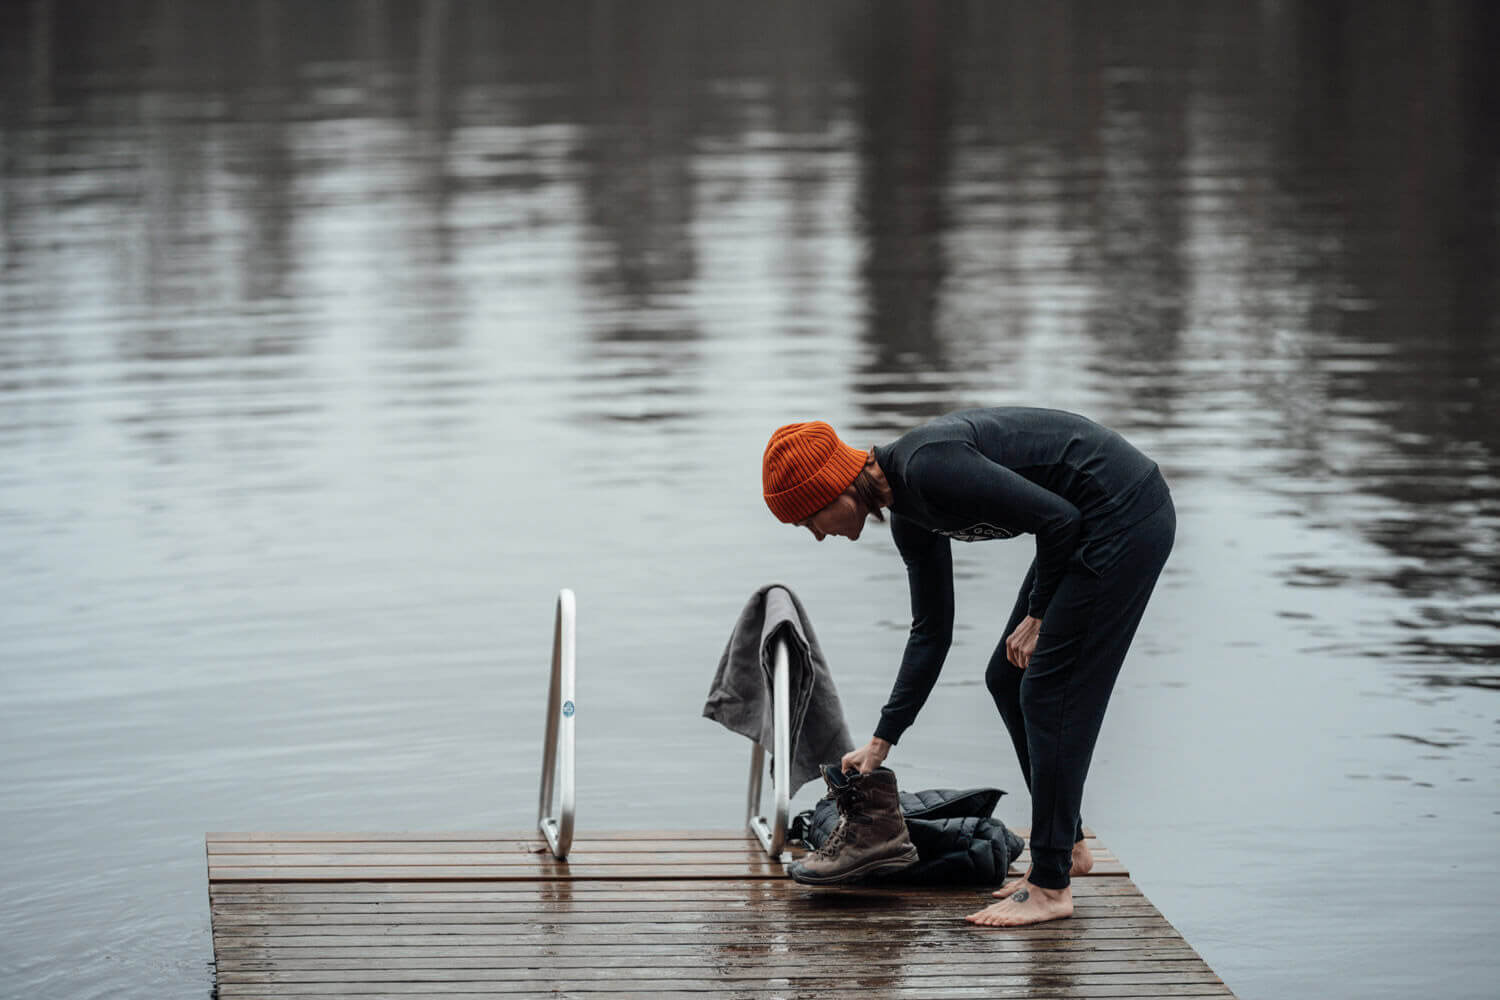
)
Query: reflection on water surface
[{"x": 334, "y": 338}]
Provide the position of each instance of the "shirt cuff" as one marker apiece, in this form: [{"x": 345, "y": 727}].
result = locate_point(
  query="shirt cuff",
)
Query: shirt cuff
[{"x": 889, "y": 731}]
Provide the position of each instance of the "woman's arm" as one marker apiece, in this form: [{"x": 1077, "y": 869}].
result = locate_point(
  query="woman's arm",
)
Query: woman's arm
[{"x": 929, "y": 574}]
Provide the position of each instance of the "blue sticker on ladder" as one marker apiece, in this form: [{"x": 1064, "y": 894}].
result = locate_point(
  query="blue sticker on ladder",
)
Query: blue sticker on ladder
[{"x": 567, "y": 709}]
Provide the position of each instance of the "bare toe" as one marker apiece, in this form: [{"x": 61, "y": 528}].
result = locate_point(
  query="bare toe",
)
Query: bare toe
[{"x": 985, "y": 916}]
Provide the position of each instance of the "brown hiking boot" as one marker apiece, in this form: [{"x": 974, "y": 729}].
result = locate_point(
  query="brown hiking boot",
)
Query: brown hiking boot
[{"x": 871, "y": 837}]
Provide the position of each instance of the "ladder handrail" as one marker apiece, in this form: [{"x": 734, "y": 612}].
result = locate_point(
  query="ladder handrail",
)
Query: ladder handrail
[
  {"x": 558, "y": 757},
  {"x": 772, "y": 834},
  {"x": 557, "y": 746}
]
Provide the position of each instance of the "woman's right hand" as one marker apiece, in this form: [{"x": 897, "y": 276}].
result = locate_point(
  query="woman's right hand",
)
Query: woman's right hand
[
  {"x": 1022, "y": 642},
  {"x": 868, "y": 757}
]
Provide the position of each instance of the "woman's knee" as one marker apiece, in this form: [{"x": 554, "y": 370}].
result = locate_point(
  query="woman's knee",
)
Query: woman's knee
[{"x": 1003, "y": 680}]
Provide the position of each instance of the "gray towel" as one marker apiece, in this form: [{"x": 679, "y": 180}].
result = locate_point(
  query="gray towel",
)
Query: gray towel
[{"x": 740, "y": 698}]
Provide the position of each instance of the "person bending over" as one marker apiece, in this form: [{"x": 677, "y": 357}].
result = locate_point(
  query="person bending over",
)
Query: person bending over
[{"x": 1104, "y": 524}]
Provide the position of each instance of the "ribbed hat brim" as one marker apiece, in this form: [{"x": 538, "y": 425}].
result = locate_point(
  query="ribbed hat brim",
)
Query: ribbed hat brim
[{"x": 805, "y": 469}]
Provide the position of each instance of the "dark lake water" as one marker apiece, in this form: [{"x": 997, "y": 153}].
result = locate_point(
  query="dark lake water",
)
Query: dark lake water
[{"x": 336, "y": 337}]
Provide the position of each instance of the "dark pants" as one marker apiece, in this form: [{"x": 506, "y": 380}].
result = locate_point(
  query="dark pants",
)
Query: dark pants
[{"x": 1055, "y": 706}]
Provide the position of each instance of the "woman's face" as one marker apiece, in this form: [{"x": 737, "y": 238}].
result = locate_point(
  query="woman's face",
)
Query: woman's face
[{"x": 845, "y": 516}]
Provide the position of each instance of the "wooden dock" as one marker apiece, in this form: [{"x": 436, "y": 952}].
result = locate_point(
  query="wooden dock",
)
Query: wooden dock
[{"x": 700, "y": 915}]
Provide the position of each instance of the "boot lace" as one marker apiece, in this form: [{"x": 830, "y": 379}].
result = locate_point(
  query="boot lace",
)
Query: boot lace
[{"x": 846, "y": 799}]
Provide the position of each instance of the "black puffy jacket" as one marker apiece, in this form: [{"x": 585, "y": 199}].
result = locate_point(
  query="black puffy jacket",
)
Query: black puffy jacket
[{"x": 958, "y": 841}]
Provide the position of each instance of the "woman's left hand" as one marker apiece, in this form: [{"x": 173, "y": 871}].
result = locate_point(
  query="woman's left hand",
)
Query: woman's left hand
[{"x": 1021, "y": 643}]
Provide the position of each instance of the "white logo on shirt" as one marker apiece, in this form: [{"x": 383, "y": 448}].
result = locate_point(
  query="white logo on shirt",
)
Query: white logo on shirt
[{"x": 983, "y": 531}]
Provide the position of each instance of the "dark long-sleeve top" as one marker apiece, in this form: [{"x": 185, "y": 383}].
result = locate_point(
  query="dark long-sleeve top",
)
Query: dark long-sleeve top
[{"x": 997, "y": 473}]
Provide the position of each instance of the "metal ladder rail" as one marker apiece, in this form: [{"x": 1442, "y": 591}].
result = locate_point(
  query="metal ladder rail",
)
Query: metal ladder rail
[
  {"x": 557, "y": 746},
  {"x": 558, "y": 756},
  {"x": 772, "y": 833}
]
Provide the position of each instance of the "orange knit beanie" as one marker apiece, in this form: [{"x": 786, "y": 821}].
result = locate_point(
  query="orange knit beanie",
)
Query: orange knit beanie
[{"x": 805, "y": 469}]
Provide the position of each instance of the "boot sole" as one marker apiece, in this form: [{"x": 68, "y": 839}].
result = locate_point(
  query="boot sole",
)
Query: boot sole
[{"x": 878, "y": 867}]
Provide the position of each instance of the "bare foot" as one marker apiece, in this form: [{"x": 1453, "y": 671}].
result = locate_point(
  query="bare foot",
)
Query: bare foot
[
  {"x": 1029, "y": 904},
  {"x": 1083, "y": 863},
  {"x": 1083, "y": 859}
]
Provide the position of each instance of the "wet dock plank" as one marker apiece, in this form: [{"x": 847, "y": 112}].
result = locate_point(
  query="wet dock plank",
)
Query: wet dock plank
[
  {"x": 648, "y": 914},
  {"x": 403, "y": 857}
]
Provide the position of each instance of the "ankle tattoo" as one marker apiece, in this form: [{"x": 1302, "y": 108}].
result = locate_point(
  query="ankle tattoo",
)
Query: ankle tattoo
[{"x": 1020, "y": 895}]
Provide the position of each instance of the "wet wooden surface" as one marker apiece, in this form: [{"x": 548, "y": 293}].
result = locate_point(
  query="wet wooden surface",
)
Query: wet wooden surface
[{"x": 648, "y": 914}]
